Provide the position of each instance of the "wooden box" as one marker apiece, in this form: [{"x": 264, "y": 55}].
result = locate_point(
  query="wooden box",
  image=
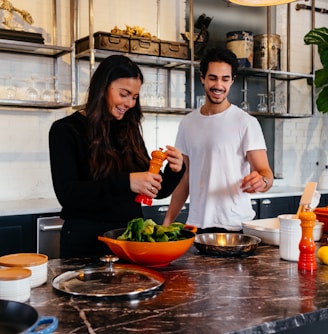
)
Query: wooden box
[
  {"x": 174, "y": 50},
  {"x": 104, "y": 41},
  {"x": 144, "y": 46}
]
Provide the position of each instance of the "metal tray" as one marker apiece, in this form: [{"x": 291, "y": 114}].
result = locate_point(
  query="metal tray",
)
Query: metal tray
[
  {"x": 119, "y": 280},
  {"x": 226, "y": 244}
]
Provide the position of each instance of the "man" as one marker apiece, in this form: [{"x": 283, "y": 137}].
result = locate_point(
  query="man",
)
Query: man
[{"x": 224, "y": 152}]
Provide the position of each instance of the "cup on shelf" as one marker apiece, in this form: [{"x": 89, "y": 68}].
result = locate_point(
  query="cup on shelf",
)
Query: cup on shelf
[
  {"x": 273, "y": 104},
  {"x": 31, "y": 93},
  {"x": 200, "y": 100},
  {"x": 9, "y": 88},
  {"x": 262, "y": 106},
  {"x": 245, "y": 104}
]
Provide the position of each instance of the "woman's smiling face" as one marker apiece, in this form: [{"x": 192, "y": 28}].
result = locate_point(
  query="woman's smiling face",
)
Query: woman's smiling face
[{"x": 122, "y": 95}]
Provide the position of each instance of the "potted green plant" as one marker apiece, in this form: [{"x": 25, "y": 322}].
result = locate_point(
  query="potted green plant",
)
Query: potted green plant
[{"x": 319, "y": 37}]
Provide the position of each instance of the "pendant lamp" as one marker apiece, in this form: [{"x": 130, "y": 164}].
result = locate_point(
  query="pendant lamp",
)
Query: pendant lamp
[{"x": 259, "y": 3}]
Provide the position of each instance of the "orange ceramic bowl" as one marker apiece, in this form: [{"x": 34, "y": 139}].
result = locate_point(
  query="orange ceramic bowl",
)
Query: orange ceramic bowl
[{"x": 149, "y": 254}]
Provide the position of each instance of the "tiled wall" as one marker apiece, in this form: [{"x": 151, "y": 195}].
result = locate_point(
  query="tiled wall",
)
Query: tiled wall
[
  {"x": 24, "y": 157},
  {"x": 302, "y": 142}
]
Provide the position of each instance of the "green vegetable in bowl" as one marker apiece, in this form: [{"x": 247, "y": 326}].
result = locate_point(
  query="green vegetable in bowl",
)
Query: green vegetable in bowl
[{"x": 147, "y": 230}]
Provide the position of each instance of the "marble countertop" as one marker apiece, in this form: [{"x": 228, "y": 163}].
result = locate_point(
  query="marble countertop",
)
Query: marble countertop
[
  {"x": 259, "y": 293},
  {"x": 29, "y": 206},
  {"x": 48, "y": 205}
]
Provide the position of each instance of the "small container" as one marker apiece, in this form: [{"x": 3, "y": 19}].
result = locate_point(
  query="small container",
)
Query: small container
[
  {"x": 15, "y": 284},
  {"x": 37, "y": 263},
  {"x": 290, "y": 236},
  {"x": 200, "y": 100},
  {"x": 241, "y": 44},
  {"x": 267, "y": 46}
]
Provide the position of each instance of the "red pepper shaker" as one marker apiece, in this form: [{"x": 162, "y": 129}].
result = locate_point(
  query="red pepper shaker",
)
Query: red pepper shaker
[
  {"x": 307, "y": 247},
  {"x": 156, "y": 163}
]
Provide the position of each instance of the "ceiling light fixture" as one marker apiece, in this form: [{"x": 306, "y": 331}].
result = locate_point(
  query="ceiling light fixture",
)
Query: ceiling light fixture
[{"x": 260, "y": 3}]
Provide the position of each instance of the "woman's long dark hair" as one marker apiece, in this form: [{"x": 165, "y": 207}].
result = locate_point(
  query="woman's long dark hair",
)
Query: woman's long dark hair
[{"x": 115, "y": 145}]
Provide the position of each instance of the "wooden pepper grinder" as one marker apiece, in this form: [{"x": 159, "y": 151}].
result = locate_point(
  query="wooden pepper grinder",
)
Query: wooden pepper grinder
[
  {"x": 156, "y": 163},
  {"x": 307, "y": 258}
]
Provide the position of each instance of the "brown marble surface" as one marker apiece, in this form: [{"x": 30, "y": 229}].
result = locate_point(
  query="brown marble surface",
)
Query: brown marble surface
[{"x": 259, "y": 293}]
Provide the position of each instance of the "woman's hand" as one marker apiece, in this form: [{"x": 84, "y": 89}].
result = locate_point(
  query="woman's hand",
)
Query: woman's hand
[
  {"x": 174, "y": 158},
  {"x": 145, "y": 183}
]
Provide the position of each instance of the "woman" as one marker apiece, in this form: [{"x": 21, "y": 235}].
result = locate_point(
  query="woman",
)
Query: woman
[{"x": 99, "y": 161}]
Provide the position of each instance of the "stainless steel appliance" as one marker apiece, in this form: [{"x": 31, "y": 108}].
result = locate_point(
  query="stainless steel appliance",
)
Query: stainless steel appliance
[{"x": 48, "y": 233}]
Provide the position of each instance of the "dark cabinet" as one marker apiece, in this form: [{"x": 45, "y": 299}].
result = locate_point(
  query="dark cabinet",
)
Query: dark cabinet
[
  {"x": 17, "y": 234},
  {"x": 157, "y": 213},
  {"x": 273, "y": 207},
  {"x": 323, "y": 200}
]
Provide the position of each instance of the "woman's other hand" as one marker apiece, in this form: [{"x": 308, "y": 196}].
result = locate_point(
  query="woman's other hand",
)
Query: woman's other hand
[
  {"x": 174, "y": 158},
  {"x": 145, "y": 183}
]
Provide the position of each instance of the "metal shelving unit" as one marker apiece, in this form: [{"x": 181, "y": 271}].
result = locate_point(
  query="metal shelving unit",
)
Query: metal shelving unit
[
  {"x": 273, "y": 75},
  {"x": 93, "y": 55},
  {"x": 29, "y": 49}
]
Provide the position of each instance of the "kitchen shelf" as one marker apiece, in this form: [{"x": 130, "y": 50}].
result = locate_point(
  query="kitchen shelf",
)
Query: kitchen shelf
[
  {"x": 278, "y": 115},
  {"x": 93, "y": 55},
  {"x": 277, "y": 75},
  {"x": 147, "y": 60},
  {"x": 36, "y": 49},
  {"x": 153, "y": 110},
  {"x": 166, "y": 110},
  {"x": 33, "y": 104}
]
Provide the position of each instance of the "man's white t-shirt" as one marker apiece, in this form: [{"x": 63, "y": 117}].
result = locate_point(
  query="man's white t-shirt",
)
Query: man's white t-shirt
[{"x": 216, "y": 146}]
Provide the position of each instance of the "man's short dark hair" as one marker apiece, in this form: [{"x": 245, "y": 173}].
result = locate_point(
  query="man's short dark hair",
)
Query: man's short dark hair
[{"x": 219, "y": 54}]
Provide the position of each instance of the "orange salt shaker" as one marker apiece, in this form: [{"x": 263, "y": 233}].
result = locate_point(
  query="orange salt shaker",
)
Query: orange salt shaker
[
  {"x": 156, "y": 162},
  {"x": 307, "y": 247}
]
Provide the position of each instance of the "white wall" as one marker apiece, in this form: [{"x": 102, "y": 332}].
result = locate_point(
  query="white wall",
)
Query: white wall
[{"x": 24, "y": 157}]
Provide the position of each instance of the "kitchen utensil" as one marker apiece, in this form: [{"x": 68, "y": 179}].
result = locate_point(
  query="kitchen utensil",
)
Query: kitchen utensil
[
  {"x": 226, "y": 244},
  {"x": 17, "y": 318},
  {"x": 37, "y": 263},
  {"x": 315, "y": 200},
  {"x": 156, "y": 162},
  {"x": 111, "y": 280},
  {"x": 151, "y": 254},
  {"x": 307, "y": 196},
  {"x": 268, "y": 230}
]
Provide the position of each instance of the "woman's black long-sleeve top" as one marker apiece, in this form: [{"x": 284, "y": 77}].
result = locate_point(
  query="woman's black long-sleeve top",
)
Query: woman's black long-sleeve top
[{"x": 110, "y": 199}]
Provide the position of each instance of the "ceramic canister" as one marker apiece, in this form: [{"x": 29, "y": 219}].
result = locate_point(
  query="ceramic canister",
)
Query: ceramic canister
[
  {"x": 290, "y": 237},
  {"x": 267, "y": 51},
  {"x": 241, "y": 44},
  {"x": 37, "y": 263},
  {"x": 15, "y": 284}
]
